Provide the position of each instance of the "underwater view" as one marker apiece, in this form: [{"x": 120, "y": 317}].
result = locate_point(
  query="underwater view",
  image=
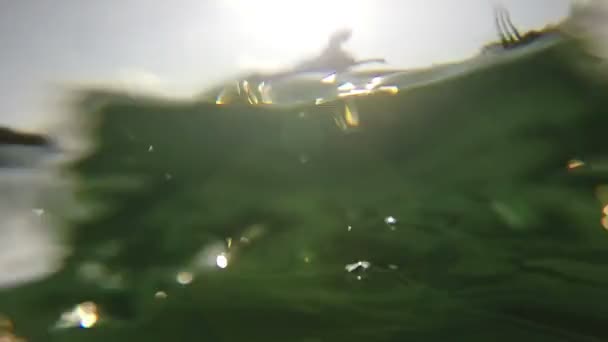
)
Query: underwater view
[{"x": 335, "y": 201}]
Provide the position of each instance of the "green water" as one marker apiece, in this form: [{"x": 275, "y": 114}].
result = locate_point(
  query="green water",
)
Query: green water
[{"x": 495, "y": 238}]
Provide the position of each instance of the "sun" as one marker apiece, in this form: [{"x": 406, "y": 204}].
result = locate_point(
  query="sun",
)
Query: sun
[{"x": 299, "y": 25}]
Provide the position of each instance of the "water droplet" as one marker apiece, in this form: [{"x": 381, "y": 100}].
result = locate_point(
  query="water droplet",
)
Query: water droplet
[
  {"x": 302, "y": 115},
  {"x": 221, "y": 261},
  {"x": 209, "y": 255},
  {"x": 88, "y": 314},
  {"x": 151, "y": 148},
  {"x": 185, "y": 278},
  {"x": 160, "y": 295},
  {"x": 358, "y": 266},
  {"x": 84, "y": 315},
  {"x": 393, "y": 267},
  {"x": 349, "y": 228},
  {"x": 390, "y": 220},
  {"x": 306, "y": 260},
  {"x": 38, "y": 211},
  {"x": 359, "y": 277}
]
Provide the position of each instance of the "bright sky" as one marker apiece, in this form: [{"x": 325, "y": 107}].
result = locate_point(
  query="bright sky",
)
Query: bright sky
[{"x": 185, "y": 45}]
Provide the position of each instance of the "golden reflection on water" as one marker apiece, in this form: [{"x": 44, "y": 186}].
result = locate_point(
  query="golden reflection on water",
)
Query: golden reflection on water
[
  {"x": 575, "y": 164},
  {"x": 355, "y": 92},
  {"x": 601, "y": 192},
  {"x": 7, "y": 331},
  {"x": 605, "y": 217},
  {"x": 260, "y": 92},
  {"x": 392, "y": 90},
  {"x": 6, "y": 324},
  {"x": 351, "y": 116}
]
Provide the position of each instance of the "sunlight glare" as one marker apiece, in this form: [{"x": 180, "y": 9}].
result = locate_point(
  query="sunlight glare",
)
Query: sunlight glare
[{"x": 303, "y": 24}]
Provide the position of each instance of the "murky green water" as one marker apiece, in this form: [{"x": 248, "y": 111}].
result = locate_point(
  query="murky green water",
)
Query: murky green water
[{"x": 454, "y": 211}]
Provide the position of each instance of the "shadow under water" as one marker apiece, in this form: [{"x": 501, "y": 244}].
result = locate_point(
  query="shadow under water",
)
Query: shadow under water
[{"x": 454, "y": 210}]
